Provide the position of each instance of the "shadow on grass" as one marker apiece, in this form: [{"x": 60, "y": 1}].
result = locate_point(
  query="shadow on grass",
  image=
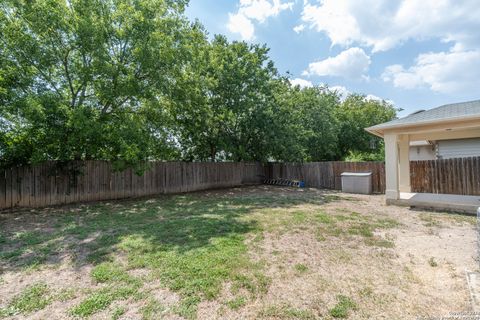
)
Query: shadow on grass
[
  {"x": 191, "y": 243},
  {"x": 90, "y": 233}
]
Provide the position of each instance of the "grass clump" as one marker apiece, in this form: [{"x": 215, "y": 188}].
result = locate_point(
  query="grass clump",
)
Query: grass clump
[
  {"x": 361, "y": 229},
  {"x": 323, "y": 217},
  {"x": 118, "y": 312},
  {"x": 343, "y": 307},
  {"x": 120, "y": 287},
  {"x": 432, "y": 262},
  {"x": 256, "y": 284},
  {"x": 301, "y": 268},
  {"x": 32, "y": 298},
  {"x": 286, "y": 312},
  {"x": 379, "y": 242},
  {"x": 101, "y": 299},
  {"x": 65, "y": 294},
  {"x": 430, "y": 220},
  {"x": 108, "y": 272},
  {"x": 152, "y": 310},
  {"x": 237, "y": 302}
]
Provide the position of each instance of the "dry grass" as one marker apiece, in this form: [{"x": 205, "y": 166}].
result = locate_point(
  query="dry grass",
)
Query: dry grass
[{"x": 246, "y": 253}]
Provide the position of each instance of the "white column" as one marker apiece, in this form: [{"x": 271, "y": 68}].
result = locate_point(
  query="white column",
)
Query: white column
[
  {"x": 391, "y": 167},
  {"x": 404, "y": 163}
]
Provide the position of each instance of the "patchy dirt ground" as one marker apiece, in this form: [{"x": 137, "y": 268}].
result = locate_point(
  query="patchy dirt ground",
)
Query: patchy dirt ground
[{"x": 243, "y": 253}]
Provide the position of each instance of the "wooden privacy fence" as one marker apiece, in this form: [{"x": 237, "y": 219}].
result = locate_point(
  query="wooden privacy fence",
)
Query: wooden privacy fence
[
  {"x": 450, "y": 176},
  {"x": 327, "y": 174},
  {"x": 50, "y": 184}
]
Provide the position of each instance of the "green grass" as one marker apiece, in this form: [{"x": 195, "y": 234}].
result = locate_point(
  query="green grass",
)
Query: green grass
[
  {"x": 379, "y": 242},
  {"x": 286, "y": 312},
  {"x": 120, "y": 287},
  {"x": 439, "y": 219},
  {"x": 353, "y": 224},
  {"x": 111, "y": 272},
  {"x": 191, "y": 244},
  {"x": 301, "y": 268},
  {"x": 118, "y": 312},
  {"x": 32, "y": 298},
  {"x": 237, "y": 302},
  {"x": 343, "y": 307},
  {"x": 101, "y": 299},
  {"x": 66, "y": 294},
  {"x": 324, "y": 218},
  {"x": 152, "y": 310}
]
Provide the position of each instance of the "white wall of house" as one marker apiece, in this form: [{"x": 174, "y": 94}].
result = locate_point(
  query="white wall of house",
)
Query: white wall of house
[
  {"x": 458, "y": 148},
  {"x": 422, "y": 152}
]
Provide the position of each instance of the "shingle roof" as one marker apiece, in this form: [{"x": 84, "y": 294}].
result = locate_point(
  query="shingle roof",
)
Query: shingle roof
[{"x": 445, "y": 112}]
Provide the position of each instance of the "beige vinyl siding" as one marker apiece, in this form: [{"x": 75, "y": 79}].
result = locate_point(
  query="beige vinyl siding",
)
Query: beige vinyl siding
[{"x": 460, "y": 148}]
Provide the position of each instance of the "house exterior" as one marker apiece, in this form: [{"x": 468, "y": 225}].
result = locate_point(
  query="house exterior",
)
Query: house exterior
[
  {"x": 458, "y": 148},
  {"x": 422, "y": 150},
  {"x": 444, "y": 125},
  {"x": 444, "y": 149}
]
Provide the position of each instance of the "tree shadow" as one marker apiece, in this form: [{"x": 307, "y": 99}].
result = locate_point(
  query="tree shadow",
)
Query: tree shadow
[{"x": 89, "y": 234}]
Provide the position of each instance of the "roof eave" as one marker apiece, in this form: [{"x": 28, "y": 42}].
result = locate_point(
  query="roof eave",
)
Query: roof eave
[
  {"x": 374, "y": 132},
  {"x": 379, "y": 131}
]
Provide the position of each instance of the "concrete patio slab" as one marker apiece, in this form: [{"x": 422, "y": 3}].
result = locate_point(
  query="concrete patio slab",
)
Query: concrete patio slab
[{"x": 446, "y": 202}]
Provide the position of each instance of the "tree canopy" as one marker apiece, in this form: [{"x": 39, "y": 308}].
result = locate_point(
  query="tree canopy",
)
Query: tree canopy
[{"x": 133, "y": 80}]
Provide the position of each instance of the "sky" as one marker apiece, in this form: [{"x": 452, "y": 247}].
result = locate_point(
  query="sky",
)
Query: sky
[{"x": 417, "y": 54}]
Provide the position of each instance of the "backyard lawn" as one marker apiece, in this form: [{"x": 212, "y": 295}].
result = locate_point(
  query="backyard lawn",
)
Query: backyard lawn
[{"x": 241, "y": 253}]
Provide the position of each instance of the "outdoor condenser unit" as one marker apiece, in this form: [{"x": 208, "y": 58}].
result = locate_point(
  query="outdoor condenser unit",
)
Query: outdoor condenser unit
[{"x": 354, "y": 182}]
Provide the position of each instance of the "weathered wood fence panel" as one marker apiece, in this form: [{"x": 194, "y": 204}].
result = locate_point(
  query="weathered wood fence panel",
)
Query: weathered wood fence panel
[
  {"x": 450, "y": 176},
  {"x": 53, "y": 183},
  {"x": 328, "y": 174}
]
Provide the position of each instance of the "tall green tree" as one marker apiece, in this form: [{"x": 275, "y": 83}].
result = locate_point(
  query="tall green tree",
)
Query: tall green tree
[
  {"x": 306, "y": 127},
  {"x": 80, "y": 79},
  {"x": 224, "y": 102},
  {"x": 355, "y": 114},
  {"x": 321, "y": 127},
  {"x": 131, "y": 80}
]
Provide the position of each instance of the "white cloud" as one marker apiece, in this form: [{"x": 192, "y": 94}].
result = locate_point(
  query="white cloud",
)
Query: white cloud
[
  {"x": 445, "y": 72},
  {"x": 299, "y": 28},
  {"x": 301, "y": 82},
  {"x": 341, "y": 91},
  {"x": 238, "y": 23},
  {"x": 373, "y": 97},
  {"x": 254, "y": 10},
  {"x": 352, "y": 63},
  {"x": 384, "y": 24}
]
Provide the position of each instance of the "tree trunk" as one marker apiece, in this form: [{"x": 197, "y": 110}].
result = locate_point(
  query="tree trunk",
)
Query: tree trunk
[{"x": 213, "y": 153}]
